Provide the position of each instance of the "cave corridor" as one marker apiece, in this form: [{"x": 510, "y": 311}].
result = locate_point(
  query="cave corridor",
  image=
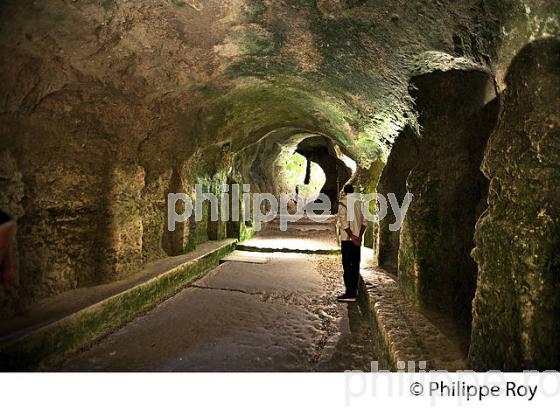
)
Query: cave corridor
[{"x": 111, "y": 106}]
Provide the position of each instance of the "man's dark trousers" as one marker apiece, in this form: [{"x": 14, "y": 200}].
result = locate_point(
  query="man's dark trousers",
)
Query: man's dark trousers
[{"x": 351, "y": 266}]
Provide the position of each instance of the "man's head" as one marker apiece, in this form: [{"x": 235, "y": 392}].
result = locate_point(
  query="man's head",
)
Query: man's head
[{"x": 349, "y": 189}]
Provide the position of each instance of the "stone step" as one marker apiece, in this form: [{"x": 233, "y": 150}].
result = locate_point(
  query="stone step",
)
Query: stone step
[
  {"x": 405, "y": 333},
  {"x": 302, "y": 249},
  {"x": 245, "y": 257}
]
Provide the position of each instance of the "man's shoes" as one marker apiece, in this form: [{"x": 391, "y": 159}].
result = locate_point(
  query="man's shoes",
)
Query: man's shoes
[{"x": 346, "y": 298}]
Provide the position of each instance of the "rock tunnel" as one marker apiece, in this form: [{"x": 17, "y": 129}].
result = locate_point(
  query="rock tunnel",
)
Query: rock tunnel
[{"x": 109, "y": 106}]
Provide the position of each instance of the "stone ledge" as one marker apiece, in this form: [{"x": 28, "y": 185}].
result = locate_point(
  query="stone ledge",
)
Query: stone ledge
[
  {"x": 271, "y": 249},
  {"x": 404, "y": 334},
  {"x": 50, "y": 343}
]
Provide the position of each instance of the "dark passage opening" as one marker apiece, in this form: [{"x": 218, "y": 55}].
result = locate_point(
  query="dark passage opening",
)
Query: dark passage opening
[
  {"x": 320, "y": 150},
  {"x": 457, "y": 112},
  {"x": 402, "y": 159}
]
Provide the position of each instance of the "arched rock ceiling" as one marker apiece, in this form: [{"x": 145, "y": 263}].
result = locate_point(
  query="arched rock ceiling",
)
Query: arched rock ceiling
[{"x": 214, "y": 71}]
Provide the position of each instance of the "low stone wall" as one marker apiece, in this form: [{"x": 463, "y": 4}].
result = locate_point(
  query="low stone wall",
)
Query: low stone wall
[
  {"x": 51, "y": 343},
  {"x": 403, "y": 333}
]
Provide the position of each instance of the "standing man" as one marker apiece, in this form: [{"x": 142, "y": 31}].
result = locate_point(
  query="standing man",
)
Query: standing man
[{"x": 352, "y": 225}]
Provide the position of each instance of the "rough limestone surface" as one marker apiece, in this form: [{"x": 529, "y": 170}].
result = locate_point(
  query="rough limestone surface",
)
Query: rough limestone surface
[{"x": 518, "y": 238}]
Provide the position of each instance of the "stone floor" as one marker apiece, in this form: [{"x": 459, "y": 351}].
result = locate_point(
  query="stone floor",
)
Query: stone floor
[
  {"x": 257, "y": 311},
  {"x": 52, "y": 309}
]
